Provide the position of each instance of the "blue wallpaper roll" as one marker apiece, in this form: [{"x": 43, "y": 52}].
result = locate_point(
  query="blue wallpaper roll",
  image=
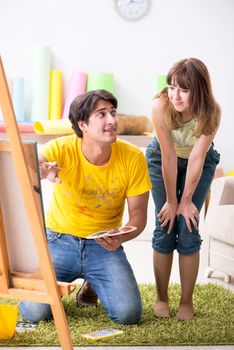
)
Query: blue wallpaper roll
[{"x": 18, "y": 97}]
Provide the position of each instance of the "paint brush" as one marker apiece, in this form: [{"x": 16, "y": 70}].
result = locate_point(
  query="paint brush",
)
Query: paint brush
[{"x": 52, "y": 166}]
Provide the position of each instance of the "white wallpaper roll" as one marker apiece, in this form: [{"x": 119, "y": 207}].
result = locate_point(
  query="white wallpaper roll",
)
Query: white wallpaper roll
[{"x": 40, "y": 82}]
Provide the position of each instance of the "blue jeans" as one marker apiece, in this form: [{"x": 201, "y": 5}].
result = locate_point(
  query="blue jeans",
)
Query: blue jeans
[
  {"x": 180, "y": 238},
  {"x": 109, "y": 273}
]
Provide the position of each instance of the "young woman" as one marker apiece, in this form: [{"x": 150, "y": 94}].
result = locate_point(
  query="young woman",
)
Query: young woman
[{"x": 181, "y": 161}]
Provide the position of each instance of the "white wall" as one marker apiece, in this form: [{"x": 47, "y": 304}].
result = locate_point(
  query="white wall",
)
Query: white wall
[{"x": 90, "y": 36}]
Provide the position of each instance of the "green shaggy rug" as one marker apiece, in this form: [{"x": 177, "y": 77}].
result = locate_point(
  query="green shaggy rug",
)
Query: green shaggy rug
[{"x": 213, "y": 323}]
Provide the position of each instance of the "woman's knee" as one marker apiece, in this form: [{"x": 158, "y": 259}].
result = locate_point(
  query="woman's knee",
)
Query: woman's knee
[
  {"x": 188, "y": 242},
  {"x": 35, "y": 312}
]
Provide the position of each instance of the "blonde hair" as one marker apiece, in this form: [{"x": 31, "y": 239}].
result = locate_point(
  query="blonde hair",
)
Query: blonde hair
[{"x": 193, "y": 75}]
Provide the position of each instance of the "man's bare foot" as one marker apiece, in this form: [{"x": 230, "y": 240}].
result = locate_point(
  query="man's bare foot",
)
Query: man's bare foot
[
  {"x": 161, "y": 309},
  {"x": 185, "y": 312}
]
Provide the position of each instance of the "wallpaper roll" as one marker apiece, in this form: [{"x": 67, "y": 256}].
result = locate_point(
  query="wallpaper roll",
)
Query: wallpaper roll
[
  {"x": 229, "y": 173},
  {"x": 18, "y": 97},
  {"x": 161, "y": 82},
  {"x": 9, "y": 82},
  {"x": 77, "y": 86},
  {"x": 56, "y": 94},
  {"x": 133, "y": 124},
  {"x": 53, "y": 127},
  {"x": 23, "y": 127},
  {"x": 97, "y": 80},
  {"x": 40, "y": 82}
]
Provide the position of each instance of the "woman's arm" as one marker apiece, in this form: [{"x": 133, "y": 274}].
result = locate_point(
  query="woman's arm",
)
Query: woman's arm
[
  {"x": 169, "y": 163},
  {"x": 194, "y": 170}
]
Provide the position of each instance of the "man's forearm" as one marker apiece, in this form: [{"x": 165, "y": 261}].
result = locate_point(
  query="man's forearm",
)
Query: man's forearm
[{"x": 139, "y": 222}]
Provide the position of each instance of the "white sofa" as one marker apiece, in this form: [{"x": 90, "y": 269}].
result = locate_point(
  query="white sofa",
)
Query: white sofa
[{"x": 219, "y": 226}]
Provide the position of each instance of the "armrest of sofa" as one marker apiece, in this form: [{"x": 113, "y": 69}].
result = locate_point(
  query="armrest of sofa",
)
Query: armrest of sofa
[
  {"x": 222, "y": 191},
  {"x": 219, "y": 220}
]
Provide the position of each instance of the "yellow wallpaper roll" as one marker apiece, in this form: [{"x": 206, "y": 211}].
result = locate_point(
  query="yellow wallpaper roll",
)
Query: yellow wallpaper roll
[
  {"x": 53, "y": 127},
  {"x": 56, "y": 94}
]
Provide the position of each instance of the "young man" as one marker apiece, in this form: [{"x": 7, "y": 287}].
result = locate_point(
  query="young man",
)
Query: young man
[{"x": 93, "y": 175}]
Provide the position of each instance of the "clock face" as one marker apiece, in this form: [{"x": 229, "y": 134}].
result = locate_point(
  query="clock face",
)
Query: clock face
[{"x": 132, "y": 9}]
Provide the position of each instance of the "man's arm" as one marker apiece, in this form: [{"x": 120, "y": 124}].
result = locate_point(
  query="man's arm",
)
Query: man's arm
[
  {"x": 137, "y": 212},
  {"x": 137, "y": 215}
]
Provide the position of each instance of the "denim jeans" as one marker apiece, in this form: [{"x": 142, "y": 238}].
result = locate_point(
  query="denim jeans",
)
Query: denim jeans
[
  {"x": 109, "y": 272},
  {"x": 180, "y": 237}
]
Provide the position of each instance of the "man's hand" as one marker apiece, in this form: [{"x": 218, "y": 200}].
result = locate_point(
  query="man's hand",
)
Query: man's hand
[
  {"x": 110, "y": 243},
  {"x": 49, "y": 171}
]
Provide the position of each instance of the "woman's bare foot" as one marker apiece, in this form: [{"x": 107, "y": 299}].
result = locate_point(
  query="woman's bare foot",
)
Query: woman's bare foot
[
  {"x": 161, "y": 309},
  {"x": 185, "y": 312}
]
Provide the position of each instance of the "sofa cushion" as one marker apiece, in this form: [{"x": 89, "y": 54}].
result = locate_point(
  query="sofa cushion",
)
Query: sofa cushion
[{"x": 219, "y": 223}]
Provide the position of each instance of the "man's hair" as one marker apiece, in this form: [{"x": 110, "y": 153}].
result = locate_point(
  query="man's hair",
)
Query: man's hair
[{"x": 83, "y": 105}]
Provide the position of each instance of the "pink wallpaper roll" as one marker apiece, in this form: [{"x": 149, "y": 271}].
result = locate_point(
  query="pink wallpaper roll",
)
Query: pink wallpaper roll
[
  {"x": 77, "y": 86},
  {"x": 23, "y": 127}
]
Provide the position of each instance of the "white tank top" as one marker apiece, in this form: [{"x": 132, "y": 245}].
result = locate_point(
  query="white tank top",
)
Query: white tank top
[{"x": 184, "y": 139}]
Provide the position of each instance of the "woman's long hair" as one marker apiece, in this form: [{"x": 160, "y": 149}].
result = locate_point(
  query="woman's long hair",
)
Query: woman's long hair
[{"x": 191, "y": 74}]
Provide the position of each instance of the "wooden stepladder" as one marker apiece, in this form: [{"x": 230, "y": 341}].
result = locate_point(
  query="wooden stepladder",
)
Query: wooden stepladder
[{"x": 23, "y": 244}]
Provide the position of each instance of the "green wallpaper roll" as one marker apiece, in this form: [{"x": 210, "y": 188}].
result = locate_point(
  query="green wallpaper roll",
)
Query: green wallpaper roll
[
  {"x": 40, "y": 82},
  {"x": 98, "y": 80},
  {"x": 161, "y": 82}
]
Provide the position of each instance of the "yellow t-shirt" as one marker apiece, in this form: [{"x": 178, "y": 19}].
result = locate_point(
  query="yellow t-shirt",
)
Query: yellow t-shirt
[
  {"x": 184, "y": 139},
  {"x": 91, "y": 198}
]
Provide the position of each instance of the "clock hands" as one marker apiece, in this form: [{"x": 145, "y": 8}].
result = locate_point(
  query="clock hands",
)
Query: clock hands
[{"x": 134, "y": 2}]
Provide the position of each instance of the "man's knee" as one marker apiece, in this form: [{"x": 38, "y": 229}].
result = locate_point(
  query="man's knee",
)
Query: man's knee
[
  {"x": 126, "y": 314},
  {"x": 35, "y": 312}
]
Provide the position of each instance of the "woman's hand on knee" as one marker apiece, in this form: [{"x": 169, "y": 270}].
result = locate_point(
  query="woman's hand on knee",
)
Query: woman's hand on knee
[
  {"x": 190, "y": 214},
  {"x": 167, "y": 215}
]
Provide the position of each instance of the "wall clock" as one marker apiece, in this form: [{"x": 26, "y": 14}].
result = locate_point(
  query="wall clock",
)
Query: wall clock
[{"x": 132, "y": 10}]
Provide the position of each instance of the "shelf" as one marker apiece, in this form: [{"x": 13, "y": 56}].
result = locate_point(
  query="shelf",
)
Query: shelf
[{"x": 138, "y": 140}]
